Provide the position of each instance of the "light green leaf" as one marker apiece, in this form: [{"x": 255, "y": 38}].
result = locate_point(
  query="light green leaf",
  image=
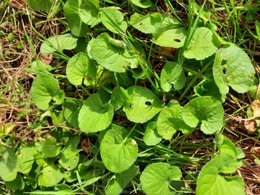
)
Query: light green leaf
[
  {"x": 71, "y": 12},
  {"x": 119, "y": 181},
  {"x": 232, "y": 67},
  {"x": 157, "y": 177},
  {"x": 146, "y": 23},
  {"x": 206, "y": 110},
  {"x": 170, "y": 120},
  {"x": 201, "y": 45},
  {"x": 58, "y": 43},
  {"x": 172, "y": 74},
  {"x": 119, "y": 97},
  {"x": 44, "y": 89},
  {"x": 257, "y": 28},
  {"x": 69, "y": 157},
  {"x": 17, "y": 184},
  {"x": 211, "y": 180},
  {"x": 113, "y": 20},
  {"x": 151, "y": 136},
  {"x": 38, "y": 66},
  {"x": 143, "y": 104},
  {"x": 111, "y": 53},
  {"x": 142, "y": 3},
  {"x": 124, "y": 150},
  {"x": 80, "y": 69},
  {"x": 50, "y": 148},
  {"x": 8, "y": 165},
  {"x": 88, "y": 12},
  {"x": 71, "y": 108},
  {"x": 50, "y": 176},
  {"x": 25, "y": 159},
  {"x": 94, "y": 115},
  {"x": 37, "y": 5}
]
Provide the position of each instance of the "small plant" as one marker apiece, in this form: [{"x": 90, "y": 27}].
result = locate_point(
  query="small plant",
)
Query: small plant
[{"x": 109, "y": 88}]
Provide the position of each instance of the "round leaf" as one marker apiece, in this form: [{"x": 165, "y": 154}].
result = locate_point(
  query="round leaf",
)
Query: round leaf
[
  {"x": 232, "y": 67},
  {"x": 142, "y": 105},
  {"x": 50, "y": 176},
  {"x": 206, "y": 110},
  {"x": 81, "y": 69},
  {"x": 94, "y": 115},
  {"x": 111, "y": 53},
  {"x": 201, "y": 45},
  {"x": 118, "y": 152},
  {"x": 156, "y": 178}
]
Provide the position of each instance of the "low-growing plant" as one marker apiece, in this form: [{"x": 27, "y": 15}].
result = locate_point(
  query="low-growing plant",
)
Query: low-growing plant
[{"x": 134, "y": 110}]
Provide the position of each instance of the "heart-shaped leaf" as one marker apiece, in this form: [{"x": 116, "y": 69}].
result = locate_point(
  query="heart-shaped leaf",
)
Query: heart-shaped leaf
[
  {"x": 80, "y": 69},
  {"x": 201, "y": 45},
  {"x": 124, "y": 149},
  {"x": 111, "y": 53},
  {"x": 206, "y": 110},
  {"x": 44, "y": 89},
  {"x": 94, "y": 115},
  {"x": 157, "y": 177},
  {"x": 141, "y": 100},
  {"x": 232, "y": 67}
]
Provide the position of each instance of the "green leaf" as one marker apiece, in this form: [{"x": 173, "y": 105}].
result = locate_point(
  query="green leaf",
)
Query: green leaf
[
  {"x": 157, "y": 177},
  {"x": 38, "y": 66},
  {"x": 8, "y": 165},
  {"x": 118, "y": 151},
  {"x": 170, "y": 120},
  {"x": 94, "y": 115},
  {"x": 172, "y": 74},
  {"x": 113, "y": 20},
  {"x": 17, "y": 184},
  {"x": 71, "y": 12},
  {"x": 151, "y": 136},
  {"x": 201, "y": 45},
  {"x": 118, "y": 97},
  {"x": 88, "y": 12},
  {"x": 119, "y": 181},
  {"x": 70, "y": 155},
  {"x": 111, "y": 53},
  {"x": 37, "y": 5},
  {"x": 206, "y": 110},
  {"x": 146, "y": 23},
  {"x": 232, "y": 67},
  {"x": 58, "y": 43},
  {"x": 50, "y": 176},
  {"x": 44, "y": 89},
  {"x": 25, "y": 159},
  {"x": 211, "y": 180},
  {"x": 142, "y": 3},
  {"x": 71, "y": 108},
  {"x": 80, "y": 69},
  {"x": 142, "y": 105},
  {"x": 50, "y": 148}
]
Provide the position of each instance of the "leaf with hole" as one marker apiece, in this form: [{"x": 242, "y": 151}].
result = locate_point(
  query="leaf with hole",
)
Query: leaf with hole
[
  {"x": 69, "y": 157},
  {"x": 170, "y": 120},
  {"x": 151, "y": 137},
  {"x": 124, "y": 149},
  {"x": 58, "y": 43},
  {"x": 80, "y": 69},
  {"x": 205, "y": 110},
  {"x": 142, "y": 3},
  {"x": 111, "y": 53},
  {"x": 157, "y": 177},
  {"x": 95, "y": 115},
  {"x": 141, "y": 100},
  {"x": 201, "y": 45},
  {"x": 232, "y": 67},
  {"x": 71, "y": 12},
  {"x": 172, "y": 74},
  {"x": 45, "y": 88},
  {"x": 113, "y": 20},
  {"x": 120, "y": 180}
]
